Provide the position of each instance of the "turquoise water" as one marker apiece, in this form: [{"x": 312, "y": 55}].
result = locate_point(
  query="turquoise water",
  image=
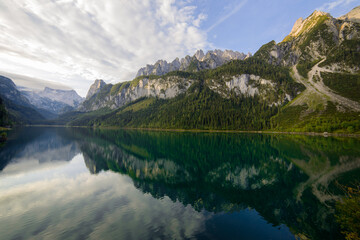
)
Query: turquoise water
[{"x": 72, "y": 183}]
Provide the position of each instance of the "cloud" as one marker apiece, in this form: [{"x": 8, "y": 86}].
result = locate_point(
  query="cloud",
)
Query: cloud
[
  {"x": 65, "y": 204},
  {"x": 33, "y": 83},
  {"x": 75, "y": 42},
  {"x": 234, "y": 10},
  {"x": 327, "y": 7}
]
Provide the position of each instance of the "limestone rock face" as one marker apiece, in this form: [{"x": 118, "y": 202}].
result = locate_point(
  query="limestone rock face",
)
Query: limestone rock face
[
  {"x": 302, "y": 25},
  {"x": 248, "y": 85},
  {"x": 95, "y": 88},
  {"x": 312, "y": 38},
  {"x": 165, "y": 88},
  {"x": 297, "y": 26},
  {"x": 162, "y": 88},
  {"x": 199, "y": 61}
]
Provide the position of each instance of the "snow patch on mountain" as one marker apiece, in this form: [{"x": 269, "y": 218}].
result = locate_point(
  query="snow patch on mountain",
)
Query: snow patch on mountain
[{"x": 53, "y": 100}]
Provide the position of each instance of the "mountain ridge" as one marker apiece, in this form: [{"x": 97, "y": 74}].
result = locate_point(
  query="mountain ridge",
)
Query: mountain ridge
[
  {"x": 55, "y": 101},
  {"x": 27, "y": 106},
  {"x": 310, "y": 40},
  {"x": 243, "y": 79},
  {"x": 199, "y": 61}
]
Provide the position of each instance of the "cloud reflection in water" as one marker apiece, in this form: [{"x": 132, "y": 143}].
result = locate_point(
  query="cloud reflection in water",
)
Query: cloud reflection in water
[{"x": 89, "y": 206}]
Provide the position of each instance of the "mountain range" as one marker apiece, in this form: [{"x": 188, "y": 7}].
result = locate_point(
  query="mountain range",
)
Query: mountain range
[
  {"x": 27, "y": 106},
  {"x": 308, "y": 82},
  {"x": 198, "y": 62},
  {"x": 53, "y": 100}
]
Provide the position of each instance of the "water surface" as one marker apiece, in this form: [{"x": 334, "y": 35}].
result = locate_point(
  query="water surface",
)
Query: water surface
[{"x": 70, "y": 183}]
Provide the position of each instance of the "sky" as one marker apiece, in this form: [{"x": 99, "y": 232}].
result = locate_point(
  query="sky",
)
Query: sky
[{"x": 73, "y": 42}]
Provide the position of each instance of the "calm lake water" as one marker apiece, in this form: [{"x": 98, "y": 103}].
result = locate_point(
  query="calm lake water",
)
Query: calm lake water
[{"x": 69, "y": 183}]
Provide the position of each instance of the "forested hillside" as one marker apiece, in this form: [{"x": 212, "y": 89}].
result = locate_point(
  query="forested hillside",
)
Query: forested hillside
[
  {"x": 4, "y": 116},
  {"x": 203, "y": 108}
]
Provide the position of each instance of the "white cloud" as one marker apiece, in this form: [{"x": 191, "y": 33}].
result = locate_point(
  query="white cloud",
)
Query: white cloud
[
  {"x": 75, "y": 42},
  {"x": 328, "y": 7},
  {"x": 33, "y": 83}
]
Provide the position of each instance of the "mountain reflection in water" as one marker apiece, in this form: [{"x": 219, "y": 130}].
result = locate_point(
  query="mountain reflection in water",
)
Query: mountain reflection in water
[{"x": 187, "y": 185}]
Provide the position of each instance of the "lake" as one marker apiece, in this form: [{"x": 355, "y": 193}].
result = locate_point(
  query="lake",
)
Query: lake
[{"x": 78, "y": 183}]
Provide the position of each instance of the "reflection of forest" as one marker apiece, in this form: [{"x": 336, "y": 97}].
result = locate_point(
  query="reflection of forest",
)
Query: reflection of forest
[
  {"x": 325, "y": 162},
  {"x": 285, "y": 178}
]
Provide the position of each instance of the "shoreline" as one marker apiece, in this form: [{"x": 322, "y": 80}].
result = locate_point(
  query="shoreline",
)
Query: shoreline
[{"x": 324, "y": 134}]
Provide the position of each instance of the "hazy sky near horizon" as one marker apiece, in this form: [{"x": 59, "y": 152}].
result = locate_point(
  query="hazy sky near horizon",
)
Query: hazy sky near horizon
[{"x": 74, "y": 42}]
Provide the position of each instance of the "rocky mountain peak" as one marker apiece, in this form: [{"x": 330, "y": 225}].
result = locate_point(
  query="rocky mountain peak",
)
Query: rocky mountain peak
[
  {"x": 312, "y": 39},
  {"x": 199, "y": 55},
  {"x": 248, "y": 55},
  {"x": 297, "y": 26},
  {"x": 210, "y": 60},
  {"x": 353, "y": 15},
  {"x": 317, "y": 13},
  {"x": 55, "y": 101},
  {"x": 68, "y": 97},
  {"x": 304, "y": 25},
  {"x": 95, "y": 88}
]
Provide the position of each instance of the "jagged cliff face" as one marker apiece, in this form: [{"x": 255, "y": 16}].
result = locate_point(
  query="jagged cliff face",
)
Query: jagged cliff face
[
  {"x": 199, "y": 61},
  {"x": 312, "y": 39},
  {"x": 95, "y": 88},
  {"x": 249, "y": 85},
  {"x": 115, "y": 96}
]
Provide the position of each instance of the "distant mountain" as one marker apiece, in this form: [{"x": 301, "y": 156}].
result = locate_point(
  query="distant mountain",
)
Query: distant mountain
[
  {"x": 200, "y": 61},
  {"x": 20, "y": 110},
  {"x": 29, "y": 106},
  {"x": 53, "y": 100}
]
